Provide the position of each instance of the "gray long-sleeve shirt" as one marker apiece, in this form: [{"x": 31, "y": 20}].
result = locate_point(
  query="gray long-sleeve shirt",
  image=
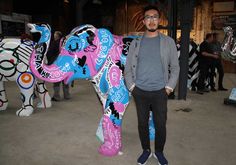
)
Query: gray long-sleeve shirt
[{"x": 150, "y": 78}]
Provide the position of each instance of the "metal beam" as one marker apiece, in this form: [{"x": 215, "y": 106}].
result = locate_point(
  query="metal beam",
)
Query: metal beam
[
  {"x": 172, "y": 18},
  {"x": 186, "y": 17}
]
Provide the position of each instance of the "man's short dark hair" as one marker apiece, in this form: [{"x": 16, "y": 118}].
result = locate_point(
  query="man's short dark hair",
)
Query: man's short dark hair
[
  {"x": 215, "y": 34},
  {"x": 151, "y": 7}
]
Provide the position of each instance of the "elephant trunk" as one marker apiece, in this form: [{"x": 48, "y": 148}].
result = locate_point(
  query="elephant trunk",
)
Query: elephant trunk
[{"x": 49, "y": 73}]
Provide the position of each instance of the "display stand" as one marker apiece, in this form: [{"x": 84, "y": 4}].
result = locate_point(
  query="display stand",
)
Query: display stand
[{"x": 231, "y": 100}]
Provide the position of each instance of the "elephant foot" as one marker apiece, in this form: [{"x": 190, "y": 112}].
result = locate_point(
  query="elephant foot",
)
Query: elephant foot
[
  {"x": 3, "y": 105},
  {"x": 112, "y": 138},
  {"x": 40, "y": 105},
  {"x": 44, "y": 105},
  {"x": 45, "y": 101},
  {"x": 106, "y": 150},
  {"x": 26, "y": 111}
]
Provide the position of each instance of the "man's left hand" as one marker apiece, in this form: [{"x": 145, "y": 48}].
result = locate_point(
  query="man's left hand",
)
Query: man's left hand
[{"x": 168, "y": 91}]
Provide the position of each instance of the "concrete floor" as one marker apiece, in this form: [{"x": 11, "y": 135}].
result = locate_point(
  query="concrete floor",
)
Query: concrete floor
[{"x": 65, "y": 133}]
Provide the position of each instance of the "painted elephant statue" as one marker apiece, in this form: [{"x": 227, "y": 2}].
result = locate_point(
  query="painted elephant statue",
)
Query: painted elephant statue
[
  {"x": 14, "y": 66},
  {"x": 96, "y": 55}
]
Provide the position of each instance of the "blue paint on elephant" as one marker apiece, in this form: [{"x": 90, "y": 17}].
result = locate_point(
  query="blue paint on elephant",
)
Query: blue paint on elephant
[
  {"x": 119, "y": 94},
  {"x": 115, "y": 120},
  {"x": 70, "y": 65},
  {"x": 76, "y": 43},
  {"x": 81, "y": 72},
  {"x": 45, "y": 32},
  {"x": 106, "y": 39},
  {"x": 123, "y": 59},
  {"x": 103, "y": 83}
]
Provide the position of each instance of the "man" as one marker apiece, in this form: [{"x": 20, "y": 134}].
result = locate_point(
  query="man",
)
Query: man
[
  {"x": 205, "y": 64},
  {"x": 147, "y": 76},
  {"x": 217, "y": 63},
  {"x": 52, "y": 54}
]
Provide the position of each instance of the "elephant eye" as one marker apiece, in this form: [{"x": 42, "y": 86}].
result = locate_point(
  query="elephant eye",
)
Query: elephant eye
[
  {"x": 73, "y": 44},
  {"x": 73, "y": 47}
]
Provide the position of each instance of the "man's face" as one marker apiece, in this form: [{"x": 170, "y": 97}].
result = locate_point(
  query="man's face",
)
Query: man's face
[
  {"x": 211, "y": 39},
  {"x": 56, "y": 37},
  {"x": 151, "y": 20},
  {"x": 216, "y": 37}
]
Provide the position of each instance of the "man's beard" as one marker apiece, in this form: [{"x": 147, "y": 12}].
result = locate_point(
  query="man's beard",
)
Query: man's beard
[{"x": 152, "y": 30}]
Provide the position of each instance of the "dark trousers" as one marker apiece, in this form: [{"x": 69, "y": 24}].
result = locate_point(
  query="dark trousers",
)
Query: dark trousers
[
  {"x": 157, "y": 100},
  {"x": 65, "y": 87},
  {"x": 218, "y": 65},
  {"x": 206, "y": 70}
]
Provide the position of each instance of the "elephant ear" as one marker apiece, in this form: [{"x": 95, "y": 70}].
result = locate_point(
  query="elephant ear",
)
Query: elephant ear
[{"x": 79, "y": 40}]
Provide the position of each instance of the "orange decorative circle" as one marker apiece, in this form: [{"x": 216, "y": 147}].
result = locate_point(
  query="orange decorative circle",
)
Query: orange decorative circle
[{"x": 26, "y": 78}]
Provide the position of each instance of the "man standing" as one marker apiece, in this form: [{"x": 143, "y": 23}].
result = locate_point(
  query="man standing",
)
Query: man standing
[
  {"x": 147, "y": 76},
  {"x": 206, "y": 59},
  {"x": 52, "y": 54},
  {"x": 217, "y": 63}
]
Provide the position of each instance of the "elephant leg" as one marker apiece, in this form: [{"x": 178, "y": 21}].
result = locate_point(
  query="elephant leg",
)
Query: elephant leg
[
  {"x": 111, "y": 125},
  {"x": 26, "y": 81},
  {"x": 45, "y": 99},
  {"x": 3, "y": 97}
]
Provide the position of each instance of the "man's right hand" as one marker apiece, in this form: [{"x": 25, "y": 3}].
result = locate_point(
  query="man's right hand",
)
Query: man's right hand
[{"x": 216, "y": 55}]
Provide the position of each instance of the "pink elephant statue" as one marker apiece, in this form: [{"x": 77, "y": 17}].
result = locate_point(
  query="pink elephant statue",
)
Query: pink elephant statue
[{"x": 98, "y": 56}]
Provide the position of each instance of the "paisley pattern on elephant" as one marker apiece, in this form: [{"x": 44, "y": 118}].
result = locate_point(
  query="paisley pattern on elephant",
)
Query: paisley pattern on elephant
[
  {"x": 14, "y": 66},
  {"x": 99, "y": 56}
]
